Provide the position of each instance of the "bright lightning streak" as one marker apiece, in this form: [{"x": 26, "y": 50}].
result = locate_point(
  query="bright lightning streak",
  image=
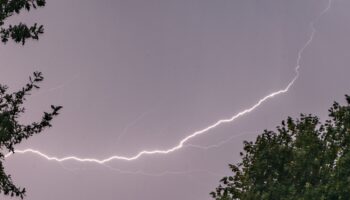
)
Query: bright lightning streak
[
  {"x": 183, "y": 141},
  {"x": 181, "y": 144},
  {"x": 219, "y": 144}
]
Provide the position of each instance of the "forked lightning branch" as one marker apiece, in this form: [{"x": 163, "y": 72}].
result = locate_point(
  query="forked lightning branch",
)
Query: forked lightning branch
[{"x": 197, "y": 133}]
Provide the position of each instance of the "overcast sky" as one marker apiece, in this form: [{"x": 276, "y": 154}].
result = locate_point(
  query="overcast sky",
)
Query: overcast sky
[{"x": 141, "y": 75}]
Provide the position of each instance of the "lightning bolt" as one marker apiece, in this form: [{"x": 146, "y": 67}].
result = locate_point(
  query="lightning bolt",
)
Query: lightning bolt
[
  {"x": 219, "y": 144},
  {"x": 203, "y": 131}
]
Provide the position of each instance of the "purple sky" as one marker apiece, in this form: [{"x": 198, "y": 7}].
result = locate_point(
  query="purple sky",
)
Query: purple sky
[{"x": 141, "y": 75}]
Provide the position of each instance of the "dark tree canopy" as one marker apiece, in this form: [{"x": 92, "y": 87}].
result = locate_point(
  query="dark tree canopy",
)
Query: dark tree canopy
[
  {"x": 304, "y": 160},
  {"x": 19, "y": 32},
  {"x": 12, "y": 132},
  {"x": 11, "y": 104}
]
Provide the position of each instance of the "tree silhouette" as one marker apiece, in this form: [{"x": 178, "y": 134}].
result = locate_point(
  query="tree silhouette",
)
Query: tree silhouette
[
  {"x": 11, "y": 104},
  {"x": 19, "y": 32},
  {"x": 304, "y": 159},
  {"x": 12, "y": 132}
]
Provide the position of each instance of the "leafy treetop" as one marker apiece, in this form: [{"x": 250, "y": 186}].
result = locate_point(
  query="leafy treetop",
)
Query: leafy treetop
[{"x": 304, "y": 160}]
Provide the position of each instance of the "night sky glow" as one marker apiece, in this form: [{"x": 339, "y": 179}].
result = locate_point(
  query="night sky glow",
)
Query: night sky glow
[{"x": 111, "y": 61}]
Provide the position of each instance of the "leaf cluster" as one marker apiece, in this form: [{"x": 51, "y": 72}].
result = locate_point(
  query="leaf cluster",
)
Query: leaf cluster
[
  {"x": 303, "y": 160},
  {"x": 12, "y": 132},
  {"x": 20, "y": 32}
]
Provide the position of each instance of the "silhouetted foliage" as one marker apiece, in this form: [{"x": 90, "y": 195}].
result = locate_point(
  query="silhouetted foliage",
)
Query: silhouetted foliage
[
  {"x": 20, "y": 32},
  {"x": 305, "y": 159},
  {"x": 12, "y": 132},
  {"x": 11, "y": 104}
]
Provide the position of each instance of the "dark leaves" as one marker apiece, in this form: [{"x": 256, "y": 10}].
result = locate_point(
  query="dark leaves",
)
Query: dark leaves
[
  {"x": 20, "y": 32},
  {"x": 12, "y": 132},
  {"x": 304, "y": 159}
]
